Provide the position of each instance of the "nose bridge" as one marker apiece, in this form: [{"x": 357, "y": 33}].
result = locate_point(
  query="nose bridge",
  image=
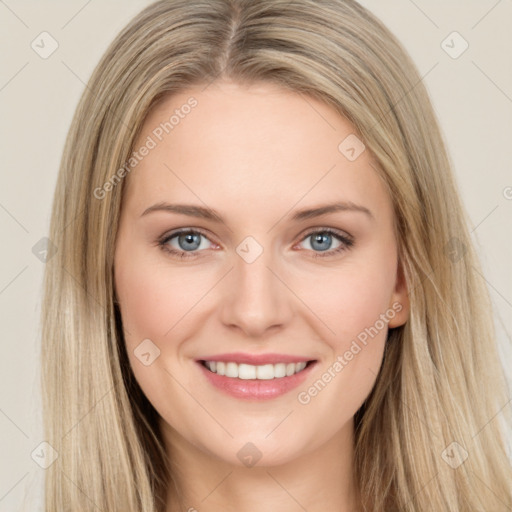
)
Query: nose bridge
[{"x": 255, "y": 299}]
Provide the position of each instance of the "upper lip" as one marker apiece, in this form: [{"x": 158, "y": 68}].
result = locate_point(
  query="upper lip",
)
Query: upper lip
[{"x": 256, "y": 359}]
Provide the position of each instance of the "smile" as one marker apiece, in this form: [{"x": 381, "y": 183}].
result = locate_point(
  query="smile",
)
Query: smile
[{"x": 255, "y": 377}]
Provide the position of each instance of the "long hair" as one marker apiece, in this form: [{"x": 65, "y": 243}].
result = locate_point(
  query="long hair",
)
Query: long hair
[{"x": 430, "y": 434}]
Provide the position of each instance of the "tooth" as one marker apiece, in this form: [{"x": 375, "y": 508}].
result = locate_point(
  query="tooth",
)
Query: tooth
[
  {"x": 246, "y": 371},
  {"x": 299, "y": 367},
  {"x": 265, "y": 372},
  {"x": 260, "y": 372},
  {"x": 279, "y": 370},
  {"x": 221, "y": 368},
  {"x": 231, "y": 370}
]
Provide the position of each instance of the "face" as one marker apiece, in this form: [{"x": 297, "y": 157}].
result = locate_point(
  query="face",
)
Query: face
[{"x": 253, "y": 270}]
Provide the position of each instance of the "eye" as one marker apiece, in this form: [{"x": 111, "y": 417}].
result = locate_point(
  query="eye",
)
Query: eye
[
  {"x": 321, "y": 241},
  {"x": 184, "y": 243}
]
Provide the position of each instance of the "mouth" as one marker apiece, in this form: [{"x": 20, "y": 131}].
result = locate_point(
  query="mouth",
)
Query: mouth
[{"x": 267, "y": 378}]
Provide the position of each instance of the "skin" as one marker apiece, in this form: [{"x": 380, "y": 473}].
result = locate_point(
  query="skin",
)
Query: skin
[{"x": 256, "y": 154}]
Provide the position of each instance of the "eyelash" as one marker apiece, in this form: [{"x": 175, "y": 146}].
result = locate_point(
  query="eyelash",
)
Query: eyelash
[{"x": 346, "y": 242}]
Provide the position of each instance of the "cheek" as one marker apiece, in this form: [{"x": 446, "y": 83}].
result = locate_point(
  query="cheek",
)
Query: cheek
[
  {"x": 161, "y": 304},
  {"x": 153, "y": 299},
  {"x": 355, "y": 306},
  {"x": 353, "y": 300},
  {"x": 156, "y": 304}
]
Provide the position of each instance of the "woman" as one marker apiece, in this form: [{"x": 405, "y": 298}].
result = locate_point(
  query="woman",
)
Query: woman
[{"x": 258, "y": 369}]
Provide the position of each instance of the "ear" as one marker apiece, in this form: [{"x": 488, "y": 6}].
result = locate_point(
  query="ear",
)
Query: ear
[{"x": 399, "y": 299}]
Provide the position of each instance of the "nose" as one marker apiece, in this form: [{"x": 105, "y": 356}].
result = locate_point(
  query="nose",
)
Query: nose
[{"x": 256, "y": 298}]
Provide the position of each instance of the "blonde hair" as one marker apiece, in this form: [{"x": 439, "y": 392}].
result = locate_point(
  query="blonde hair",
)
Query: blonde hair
[{"x": 441, "y": 380}]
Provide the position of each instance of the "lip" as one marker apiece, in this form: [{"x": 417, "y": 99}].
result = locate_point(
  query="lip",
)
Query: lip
[
  {"x": 255, "y": 389},
  {"x": 256, "y": 359}
]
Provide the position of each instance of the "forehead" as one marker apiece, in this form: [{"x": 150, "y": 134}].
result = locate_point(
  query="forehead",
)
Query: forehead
[{"x": 253, "y": 145}]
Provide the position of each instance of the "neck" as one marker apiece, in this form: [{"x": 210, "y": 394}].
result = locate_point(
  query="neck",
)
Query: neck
[{"x": 315, "y": 481}]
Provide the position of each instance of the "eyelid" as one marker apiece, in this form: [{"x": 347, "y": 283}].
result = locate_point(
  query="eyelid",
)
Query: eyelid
[
  {"x": 326, "y": 229},
  {"x": 162, "y": 241},
  {"x": 346, "y": 241}
]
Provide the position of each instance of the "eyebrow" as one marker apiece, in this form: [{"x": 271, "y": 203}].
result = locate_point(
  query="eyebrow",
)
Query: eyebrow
[{"x": 211, "y": 214}]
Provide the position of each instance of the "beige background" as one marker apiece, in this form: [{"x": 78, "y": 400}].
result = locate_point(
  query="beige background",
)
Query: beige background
[{"x": 471, "y": 94}]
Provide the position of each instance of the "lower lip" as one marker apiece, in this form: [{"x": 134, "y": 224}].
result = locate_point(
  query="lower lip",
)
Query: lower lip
[{"x": 255, "y": 389}]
